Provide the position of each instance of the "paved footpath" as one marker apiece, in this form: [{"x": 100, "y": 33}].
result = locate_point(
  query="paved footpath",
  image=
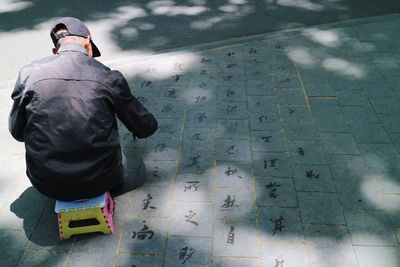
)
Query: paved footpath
[{"x": 276, "y": 150}]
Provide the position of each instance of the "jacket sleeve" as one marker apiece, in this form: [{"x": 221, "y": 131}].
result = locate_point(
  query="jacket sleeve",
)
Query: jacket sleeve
[
  {"x": 17, "y": 119},
  {"x": 130, "y": 111}
]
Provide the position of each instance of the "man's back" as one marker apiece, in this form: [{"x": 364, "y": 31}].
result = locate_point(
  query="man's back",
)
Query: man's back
[{"x": 65, "y": 114}]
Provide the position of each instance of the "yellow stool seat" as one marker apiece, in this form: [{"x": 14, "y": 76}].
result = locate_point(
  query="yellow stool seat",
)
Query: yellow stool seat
[{"x": 85, "y": 216}]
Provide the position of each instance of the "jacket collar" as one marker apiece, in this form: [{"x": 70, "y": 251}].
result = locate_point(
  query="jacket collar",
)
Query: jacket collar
[{"x": 71, "y": 47}]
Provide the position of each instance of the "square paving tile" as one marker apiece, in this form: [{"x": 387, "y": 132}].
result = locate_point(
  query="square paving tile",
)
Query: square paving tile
[
  {"x": 321, "y": 208},
  {"x": 231, "y": 54},
  {"x": 276, "y": 192},
  {"x": 170, "y": 109},
  {"x": 160, "y": 173},
  {"x": 144, "y": 236},
  {"x": 231, "y": 203},
  {"x": 284, "y": 254},
  {"x": 296, "y": 114},
  {"x": 200, "y": 97},
  {"x": 288, "y": 80},
  {"x": 261, "y": 104},
  {"x": 271, "y": 164},
  {"x": 339, "y": 143},
  {"x": 166, "y": 149},
  {"x": 150, "y": 202},
  {"x": 192, "y": 219},
  {"x": 280, "y": 224},
  {"x": 320, "y": 89},
  {"x": 191, "y": 251},
  {"x": 370, "y": 228},
  {"x": 316, "y": 178},
  {"x": 180, "y": 77},
  {"x": 234, "y": 67},
  {"x": 236, "y": 110},
  {"x": 235, "y": 239},
  {"x": 207, "y": 80},
  {"x": 167, "y": 127},
  {"x": 200, "y": 118},
  {"x": 207, "y": 61},
  {"x": 371, "y": 256},
  {"x": 254, "y": 71},
  {"x": 231, "y": 79},
  {"x": 268, "y": 141},
  {"x": 193, "y": 187},
  {"x": 329, "y": 245},
  {"x": 267, "y": 121},
  {"x": 231, "y": 94},
  {"x": 197, "y": 160},
  {"x": 233, "y": 150},
  {"x": 237, "y": 129},
  {"x": 197, "y": 137},
  {"x": 234, "y": 174},
  {"x": 254, "y": 50},
  {"x": 306, "y": 153}
]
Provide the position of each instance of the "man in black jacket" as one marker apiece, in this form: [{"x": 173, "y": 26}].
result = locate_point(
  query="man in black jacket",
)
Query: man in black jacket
[{"x": 64, "y": 110}]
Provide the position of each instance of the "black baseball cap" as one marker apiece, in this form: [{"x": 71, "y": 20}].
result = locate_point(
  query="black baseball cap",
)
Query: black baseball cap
[{"x": 75, "y": 27}]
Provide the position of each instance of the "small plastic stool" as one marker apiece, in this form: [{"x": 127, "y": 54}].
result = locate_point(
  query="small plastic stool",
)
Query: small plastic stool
[{"x": 85, "y": 216}]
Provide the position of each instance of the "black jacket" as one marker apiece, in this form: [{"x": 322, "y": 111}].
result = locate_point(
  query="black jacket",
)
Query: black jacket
[{"x": 64, "y": 110}]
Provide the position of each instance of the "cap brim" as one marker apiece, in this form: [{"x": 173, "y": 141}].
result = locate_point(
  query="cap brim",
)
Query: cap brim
[{"x": 96, "y": 51}]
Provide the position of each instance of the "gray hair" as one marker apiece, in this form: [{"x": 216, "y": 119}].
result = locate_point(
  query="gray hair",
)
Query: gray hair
[{"x": 68, "y": 38}]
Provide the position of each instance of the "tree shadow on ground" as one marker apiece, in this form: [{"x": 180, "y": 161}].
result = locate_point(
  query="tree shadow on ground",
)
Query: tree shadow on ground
[{"x": 160, "y": 25}]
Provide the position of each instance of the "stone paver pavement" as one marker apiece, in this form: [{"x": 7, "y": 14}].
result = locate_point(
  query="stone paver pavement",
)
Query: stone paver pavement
[{"x": 276, "y": 150}]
